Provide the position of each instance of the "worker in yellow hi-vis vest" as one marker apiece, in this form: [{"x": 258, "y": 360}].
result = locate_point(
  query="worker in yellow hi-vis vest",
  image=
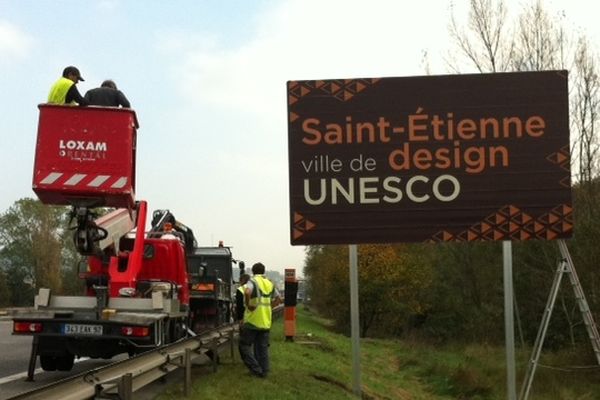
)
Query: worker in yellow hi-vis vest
[
  {"x": 260, "y": 295},
  {"x": 64, "y": 91}
]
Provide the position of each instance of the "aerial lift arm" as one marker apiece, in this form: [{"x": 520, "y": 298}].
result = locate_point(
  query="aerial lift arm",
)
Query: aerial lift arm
[{"x": 93, "y": 236}]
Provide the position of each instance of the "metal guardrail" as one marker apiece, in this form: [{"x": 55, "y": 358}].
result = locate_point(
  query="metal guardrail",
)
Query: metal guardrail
[
  {"x": 278, "y": 311},
  {"x": 125, "y": 377}
]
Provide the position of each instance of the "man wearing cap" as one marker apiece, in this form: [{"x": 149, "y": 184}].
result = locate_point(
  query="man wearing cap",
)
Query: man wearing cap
[{"x": 64, "y": 90}]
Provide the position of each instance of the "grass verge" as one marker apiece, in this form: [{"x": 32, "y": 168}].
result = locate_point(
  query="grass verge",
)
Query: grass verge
[{"x": 317, "y": 365}]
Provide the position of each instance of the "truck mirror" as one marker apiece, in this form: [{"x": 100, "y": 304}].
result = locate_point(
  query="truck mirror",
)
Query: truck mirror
[
  {"x": 148, "y": 251},
  {"x": 202, "y": 269},
  {"x": 82, "y": 266},
  {"x": 242, "y": 266}
]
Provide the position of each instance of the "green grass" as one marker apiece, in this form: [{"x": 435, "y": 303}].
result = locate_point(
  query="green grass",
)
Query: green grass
[{"x": 318, "y": 366}]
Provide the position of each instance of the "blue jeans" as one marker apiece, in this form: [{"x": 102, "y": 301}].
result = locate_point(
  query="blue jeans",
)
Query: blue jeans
[{"x": 254, "y": 350}]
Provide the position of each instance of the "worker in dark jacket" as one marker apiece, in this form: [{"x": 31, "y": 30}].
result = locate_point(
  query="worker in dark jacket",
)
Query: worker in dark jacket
[
  {"x": 239, "y": 299},
  {"x": 64, "y": 90},
  {"x": 107, "y": 95}
]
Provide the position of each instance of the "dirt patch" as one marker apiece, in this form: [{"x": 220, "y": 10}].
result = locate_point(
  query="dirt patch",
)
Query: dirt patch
[
  {"x": 364, "y": 396},
  {"x": 309, "y": 340}
]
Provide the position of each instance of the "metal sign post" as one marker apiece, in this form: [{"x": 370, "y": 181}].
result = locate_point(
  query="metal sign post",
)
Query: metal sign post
[
  {"x": 509, "y": 322},
  {"x": 354, "y": 319}
]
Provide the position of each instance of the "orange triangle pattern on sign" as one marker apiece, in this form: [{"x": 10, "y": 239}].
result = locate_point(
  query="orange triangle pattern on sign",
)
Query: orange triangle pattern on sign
[
  {"x": 511, "y": 223},
  {"x": 562, "y": 158},
  {"x": 341, "y": 89},
  {"x": 301, "y": 225}
]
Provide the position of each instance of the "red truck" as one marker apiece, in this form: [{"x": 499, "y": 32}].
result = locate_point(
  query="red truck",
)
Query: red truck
[{"x": 143, "y": 288}]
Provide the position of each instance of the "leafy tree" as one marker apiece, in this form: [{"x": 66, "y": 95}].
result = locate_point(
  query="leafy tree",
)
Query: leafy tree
[
  {"x": 32, "y": 236},
  {"x": 4, "y": 290},
  {"x": 393, "y": 286},
  {"x": 326, "y": 269},
  {"x": 71, "y": 284}
]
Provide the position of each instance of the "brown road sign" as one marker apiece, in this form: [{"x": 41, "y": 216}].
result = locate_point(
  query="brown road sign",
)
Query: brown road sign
[{"x": 432, "y": 158}]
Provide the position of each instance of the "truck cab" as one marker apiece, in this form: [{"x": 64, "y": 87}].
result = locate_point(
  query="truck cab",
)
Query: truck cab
[{"x": 210, "y": 274}]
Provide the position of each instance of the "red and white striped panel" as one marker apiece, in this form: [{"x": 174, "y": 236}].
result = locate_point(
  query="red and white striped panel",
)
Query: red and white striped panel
[{"x": 84, "y": 181}]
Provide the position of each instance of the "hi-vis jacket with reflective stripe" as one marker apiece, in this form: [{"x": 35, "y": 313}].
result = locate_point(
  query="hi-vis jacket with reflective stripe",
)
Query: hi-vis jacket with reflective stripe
[
  {"x": 58, "y": 92},
  {"x": 260, "y": 317}
]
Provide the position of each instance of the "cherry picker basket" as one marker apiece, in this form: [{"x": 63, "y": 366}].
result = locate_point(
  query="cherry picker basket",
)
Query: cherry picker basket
[{"x": 85, "y": 156}]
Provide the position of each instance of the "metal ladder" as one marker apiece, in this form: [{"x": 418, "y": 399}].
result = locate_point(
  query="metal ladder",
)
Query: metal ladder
[
  {"x": 588, "y": 319},
  {"x": 564, "y": 266}
]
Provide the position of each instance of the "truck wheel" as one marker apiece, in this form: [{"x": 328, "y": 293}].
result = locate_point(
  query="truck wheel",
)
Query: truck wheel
[
  {"x": 177, "y": 330},
  {"x": 166, "y": 332},
  {"x": 65, "y": 362},
  {"x": 48, "y": 363}
]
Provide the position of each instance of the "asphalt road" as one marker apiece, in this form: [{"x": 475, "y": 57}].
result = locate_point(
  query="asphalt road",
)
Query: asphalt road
[
  {"x": 14, "y": 351},
  {"x": 14, "y": 360}
]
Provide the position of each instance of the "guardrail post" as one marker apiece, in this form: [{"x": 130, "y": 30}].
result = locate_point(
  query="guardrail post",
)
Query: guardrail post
[
  {"x": 232, "y": 345},
  {"x": 32, "y": 359},
  {"x": 126, "y": 386},
  {"x": 214, "y": 348},
  {"x": 187, "y": 361}
]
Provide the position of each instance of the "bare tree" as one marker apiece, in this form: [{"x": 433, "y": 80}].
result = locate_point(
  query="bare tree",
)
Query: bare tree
[
  {"x": 425, "y": 62},
  {"x": 538, "y": 42},
  {"x": 486, "y": 42},
  {"x": 585, "y": 107},
  {"x": 541, "y": 42}
]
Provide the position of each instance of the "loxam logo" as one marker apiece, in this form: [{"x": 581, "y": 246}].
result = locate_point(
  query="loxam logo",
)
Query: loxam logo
[
  {"x": 82, "y": 145},
  {"x": 82, "y": 150}
]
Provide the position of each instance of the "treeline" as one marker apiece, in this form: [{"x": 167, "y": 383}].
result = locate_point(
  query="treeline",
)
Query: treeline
[
  {"x": 36, "y": 250},
  {"x": 455, "y": 290}
]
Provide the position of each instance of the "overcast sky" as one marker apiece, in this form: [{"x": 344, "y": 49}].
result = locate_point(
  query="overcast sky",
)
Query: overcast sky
[{"x": 208, "y": 82}]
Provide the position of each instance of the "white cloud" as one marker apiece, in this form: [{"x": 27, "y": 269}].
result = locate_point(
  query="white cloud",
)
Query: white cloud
[
  {"x": 238, "y": 94},
  {"x": 312, "y": 39},
  {"x": 14, "y": 43}
]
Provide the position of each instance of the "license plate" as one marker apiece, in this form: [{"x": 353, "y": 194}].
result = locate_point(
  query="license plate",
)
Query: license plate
[{"x": 81, "y": 329}]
